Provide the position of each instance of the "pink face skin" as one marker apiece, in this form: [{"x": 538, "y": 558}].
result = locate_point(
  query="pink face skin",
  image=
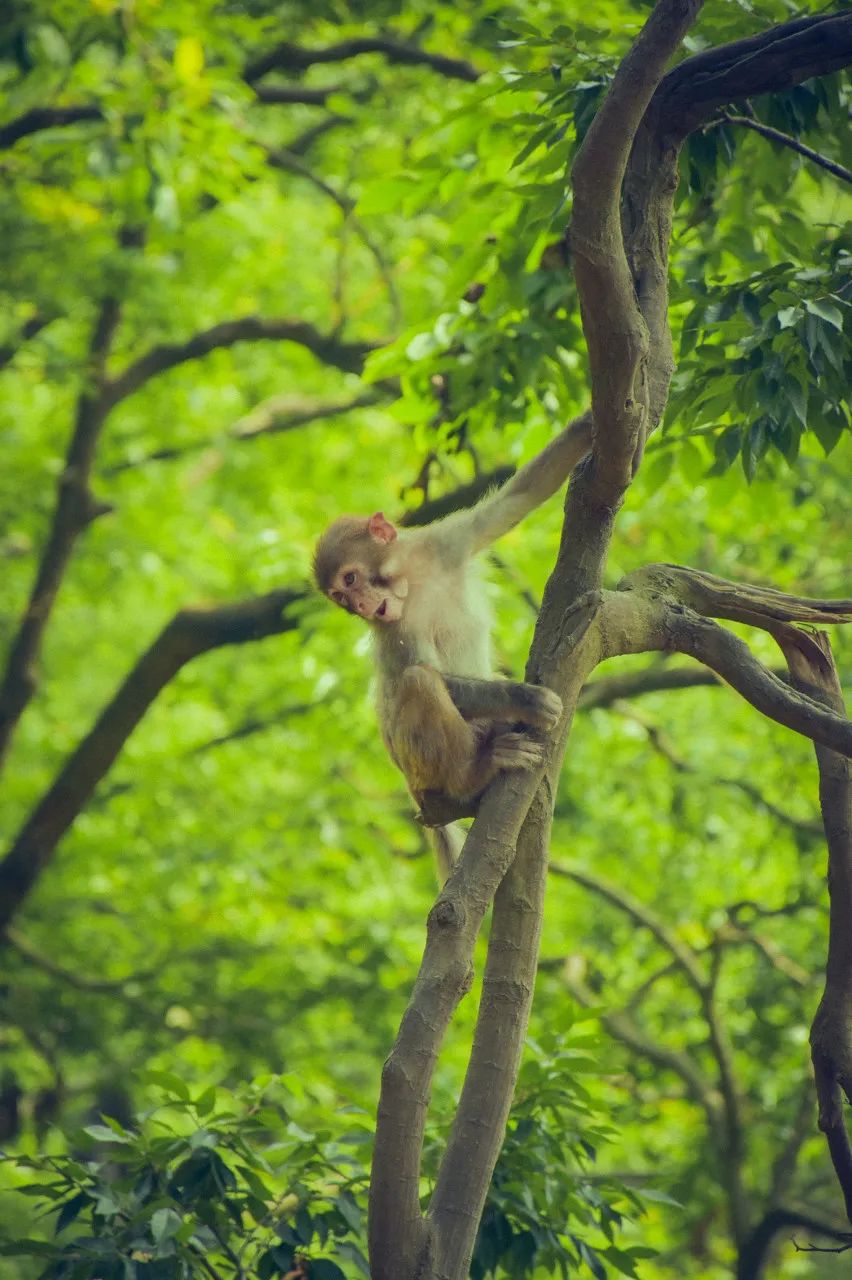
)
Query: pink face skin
[{"x": 370, "y": 595}]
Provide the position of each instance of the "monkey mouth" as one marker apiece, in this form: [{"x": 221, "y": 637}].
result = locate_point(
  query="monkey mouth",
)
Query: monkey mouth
[{"x": 382, "y": 609}]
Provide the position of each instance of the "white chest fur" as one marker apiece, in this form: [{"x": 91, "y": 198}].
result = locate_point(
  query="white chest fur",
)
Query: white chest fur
[{"x": 448, "y": 622}]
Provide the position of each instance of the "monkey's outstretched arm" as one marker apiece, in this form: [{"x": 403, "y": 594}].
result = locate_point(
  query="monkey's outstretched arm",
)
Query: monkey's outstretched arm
[
  {"x": 504, "y": 700},
  {"x": 528, "y": 488}
]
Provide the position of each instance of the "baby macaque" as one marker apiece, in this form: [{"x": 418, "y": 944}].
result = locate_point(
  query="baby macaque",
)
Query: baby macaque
[{"x": 448, "y": 726}]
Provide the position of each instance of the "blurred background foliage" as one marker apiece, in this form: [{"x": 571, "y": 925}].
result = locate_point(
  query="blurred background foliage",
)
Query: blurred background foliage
[{"x": 246, "y": 892}]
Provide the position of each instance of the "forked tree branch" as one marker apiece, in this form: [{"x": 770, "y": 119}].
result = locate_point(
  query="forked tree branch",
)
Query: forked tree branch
[
  {"x": 190, "y": 633},
  {"x": 639, "y": 621}
]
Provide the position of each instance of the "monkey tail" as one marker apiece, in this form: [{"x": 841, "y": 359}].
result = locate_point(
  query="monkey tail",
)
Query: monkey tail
[{"x": 447, "y": 843}]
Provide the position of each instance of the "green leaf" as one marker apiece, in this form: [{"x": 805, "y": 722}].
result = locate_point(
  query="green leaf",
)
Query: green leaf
[
  {"x": 189, "y": 58},
  {"x": 421, "y": 346},
  {"x": 325, "y": 1269},
  {"x": 164, "y": 1224},
  {"x": 71, "y": 1210},
  {"x": 103, "y": 1133},
  {"x": 825, "y": 310},
  {"x": 206, "y": 1102},
  {"x": 172, "y": 1084}
]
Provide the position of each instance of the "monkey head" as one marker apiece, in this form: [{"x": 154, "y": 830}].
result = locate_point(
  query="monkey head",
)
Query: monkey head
[{"x": 356, "y": 566}]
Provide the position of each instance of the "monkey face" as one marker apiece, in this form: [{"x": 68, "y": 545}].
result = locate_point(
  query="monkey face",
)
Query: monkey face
[{"x": 367, "y": 595}]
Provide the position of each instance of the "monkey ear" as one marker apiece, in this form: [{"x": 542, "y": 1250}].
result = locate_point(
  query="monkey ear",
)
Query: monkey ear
[{"x": 380, "y": 529}]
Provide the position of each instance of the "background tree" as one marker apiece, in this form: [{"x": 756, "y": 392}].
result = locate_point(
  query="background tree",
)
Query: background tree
[{"x": 184, "y": 410}]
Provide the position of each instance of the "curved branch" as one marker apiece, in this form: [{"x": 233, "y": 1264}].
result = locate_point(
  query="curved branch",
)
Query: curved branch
[
  {"x": 40, "y": 118},
  {"x": 624, "y": 1029},
  {"x": 717, "y": 597},
  {"x": 660, "y": 678},
  {"x": 641, "y": 915},
  {"x": 660, "y": 743},
  {"x": 831, "y": 1041},
  {"x": 190, "y": 633},
  {"x": 734, "y": 661},
  {"x": 752, "y": 1254},
  {"x": 636, "y": 623},
  {"x": 348, "y": 356},
  {"x": 102, "y": 986},
  {"x": 291, "y": 57},
  {"x": 769, "y": 62},
  {"x": 271, "y": 417}
]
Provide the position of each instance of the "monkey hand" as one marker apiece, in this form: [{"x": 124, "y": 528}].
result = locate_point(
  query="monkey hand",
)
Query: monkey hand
[{"x": 543, "y": 706}]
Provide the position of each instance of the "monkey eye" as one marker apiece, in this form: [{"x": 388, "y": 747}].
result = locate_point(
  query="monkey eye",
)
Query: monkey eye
[{"x": 349, "y": 578}]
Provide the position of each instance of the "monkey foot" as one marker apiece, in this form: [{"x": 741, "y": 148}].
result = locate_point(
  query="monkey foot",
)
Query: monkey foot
[{"x": 516, "y": 751}]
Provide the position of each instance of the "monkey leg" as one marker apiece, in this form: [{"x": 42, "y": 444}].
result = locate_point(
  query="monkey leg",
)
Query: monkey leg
[
  {"x": 510, "y": 700},
  {"x": 438, "y": 750},
  {"x": 429, "y": 739}
]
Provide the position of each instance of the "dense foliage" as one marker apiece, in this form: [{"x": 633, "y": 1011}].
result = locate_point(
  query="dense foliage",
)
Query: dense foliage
[{"x": 371, "y": 246}]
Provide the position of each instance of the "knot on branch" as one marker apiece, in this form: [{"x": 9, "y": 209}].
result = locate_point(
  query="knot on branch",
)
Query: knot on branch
[{"x": 447, "y": 915}]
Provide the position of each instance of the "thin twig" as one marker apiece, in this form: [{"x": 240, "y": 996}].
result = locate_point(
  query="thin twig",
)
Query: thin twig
[{"x": 786, "y": 140}]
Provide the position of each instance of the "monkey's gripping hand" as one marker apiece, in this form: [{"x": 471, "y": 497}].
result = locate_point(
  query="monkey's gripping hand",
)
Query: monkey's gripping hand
[{"x": 509, "y": 700}]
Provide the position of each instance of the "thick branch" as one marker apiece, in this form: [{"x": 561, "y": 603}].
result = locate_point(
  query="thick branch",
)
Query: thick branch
[
  {"x": 774, "y": 60},
  {"x": 291, "y": 57},
  {"x": 40, "y": 118},
  {"x": 75, "y": 509},
  {"x": 190, "y": 633},
  {"x": 348, "y": 356},
  {"x": 717, "y": 597},
  {"x": 615, "y": 331}
]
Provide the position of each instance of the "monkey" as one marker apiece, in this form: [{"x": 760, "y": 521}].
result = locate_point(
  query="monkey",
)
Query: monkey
[{"x": 447, "y": 725}]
